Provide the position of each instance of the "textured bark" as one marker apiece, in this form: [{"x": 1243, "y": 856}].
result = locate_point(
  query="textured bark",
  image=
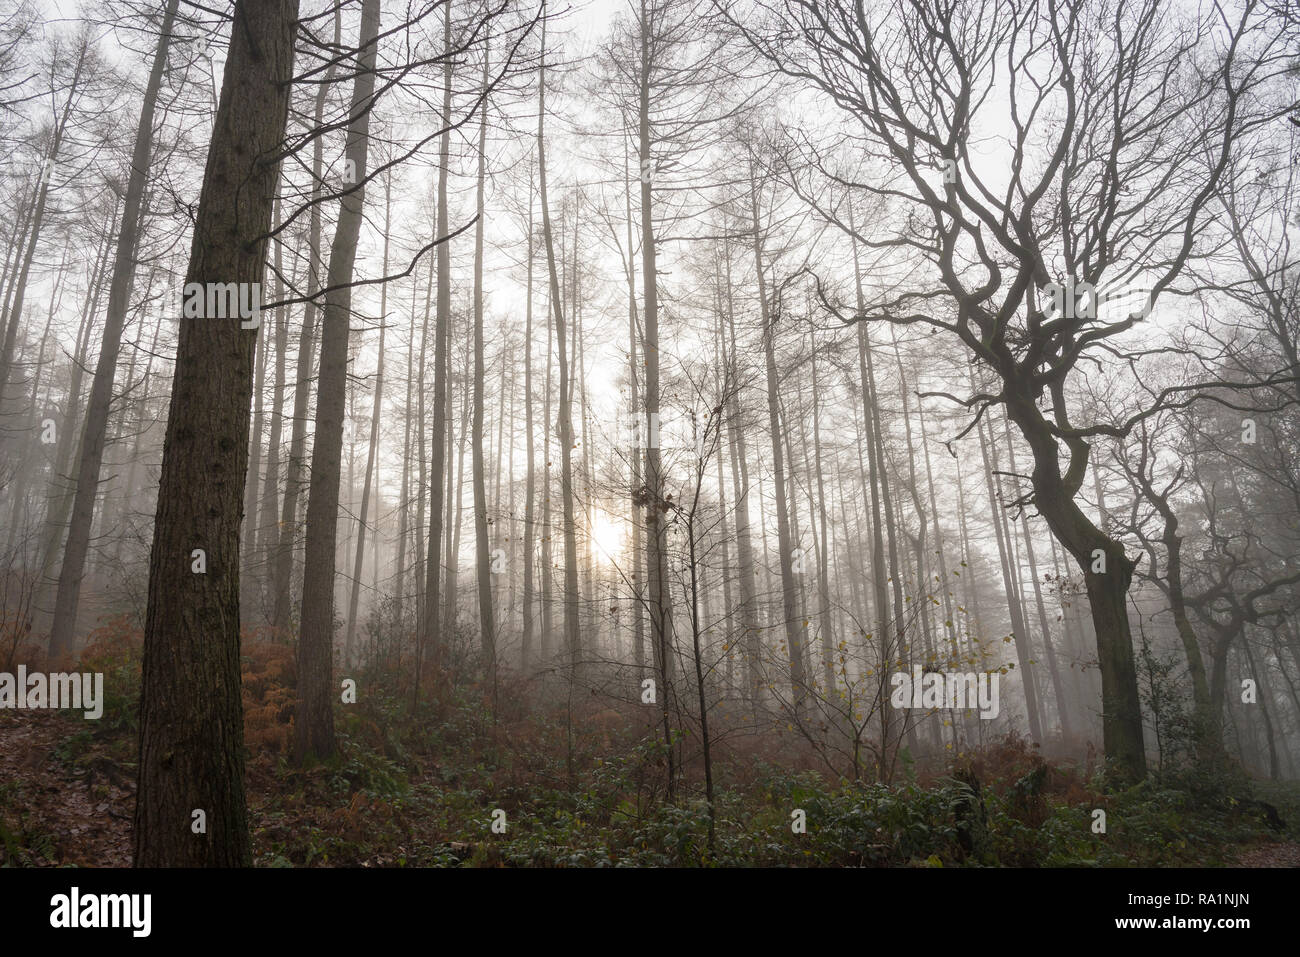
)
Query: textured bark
[
  {"x": 1054, "y": 494},
  {"x": 191, "y": 715}
]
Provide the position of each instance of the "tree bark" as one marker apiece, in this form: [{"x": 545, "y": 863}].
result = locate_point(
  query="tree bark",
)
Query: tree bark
[{"x": 191, "y": 715}]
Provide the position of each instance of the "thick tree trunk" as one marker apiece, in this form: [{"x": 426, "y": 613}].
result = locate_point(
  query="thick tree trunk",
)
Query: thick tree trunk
[
  {"x": 191, "y": 716},
  {"x": 1054, "y": 494}
]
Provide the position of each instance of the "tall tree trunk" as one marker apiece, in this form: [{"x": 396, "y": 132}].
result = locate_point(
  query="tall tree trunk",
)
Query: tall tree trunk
[
  {"x": 530, "y": 495},
  {"x": 404, "y": 496},
  {"x": 482, "y": 544},
  {"x": 430, "y": 627},
  {"x": 314, "y": 719},
  {"x": 63, "y": 487},
  {"x": 865, "y": 375},
  {"x": 564, "y": 423},
  {"x": 547, "y": 557},
  {"x": 354, "y": 601},
  {"x": 456, "y": 439},
  {"x": 282, "y": 573},
  {"x": 785, "y": 542},
  {"x": 270, "y": 530},
  {"x": 656, "y": 509},
  {"x": 191, "y": 715},
  {"x": 823, "y": 546},
  {"x": 634, "y": 406},
  {"x": 1054, "y": 494},
  {"x": 750, "y": 640}
]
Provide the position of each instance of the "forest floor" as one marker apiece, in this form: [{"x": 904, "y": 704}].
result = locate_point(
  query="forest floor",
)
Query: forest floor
[{"x": 585, "y": 787}]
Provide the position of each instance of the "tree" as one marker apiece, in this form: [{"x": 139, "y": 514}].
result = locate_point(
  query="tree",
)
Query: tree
[
  {"x": 919, "y": 83},
  {"x": 190, "y": 807},
  {"x": 314, "y": 719},
  {"x": 564, "y": 421}
]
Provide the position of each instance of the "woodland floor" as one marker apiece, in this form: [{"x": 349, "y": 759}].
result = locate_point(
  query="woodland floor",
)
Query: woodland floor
[{"x": 420, "y": 791}]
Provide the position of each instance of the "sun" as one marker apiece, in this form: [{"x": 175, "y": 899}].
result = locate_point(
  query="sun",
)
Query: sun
[{"x": 607, "y": 536}]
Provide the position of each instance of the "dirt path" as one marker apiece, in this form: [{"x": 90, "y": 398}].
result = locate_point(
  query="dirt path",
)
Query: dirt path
[{"x": 54, "y": 815}]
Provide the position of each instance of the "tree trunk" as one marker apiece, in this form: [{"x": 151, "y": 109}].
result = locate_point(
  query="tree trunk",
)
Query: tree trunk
[
  {"x": 314, "y": 718},
  {"x": 191, "y": 715},
  {"x": 1054, "y": 494},
  {"x": 785, "y": 544},
  {"x": 748, "y": 612},
  {"x": 482, "y": 545},
  {"x": 354, "y": 601},
  {"x": 530, "y": 495},
  {"x": 564, "y": 423},
  {"x": 270, "y": 530},
  {"x": 282, "y": 573},
  {"x": 660, "y": 598},
  {"x": 429, "y": 628}
]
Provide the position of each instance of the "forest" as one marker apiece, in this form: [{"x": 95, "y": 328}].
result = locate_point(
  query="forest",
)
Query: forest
[{"x": 650, "y": 433}]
